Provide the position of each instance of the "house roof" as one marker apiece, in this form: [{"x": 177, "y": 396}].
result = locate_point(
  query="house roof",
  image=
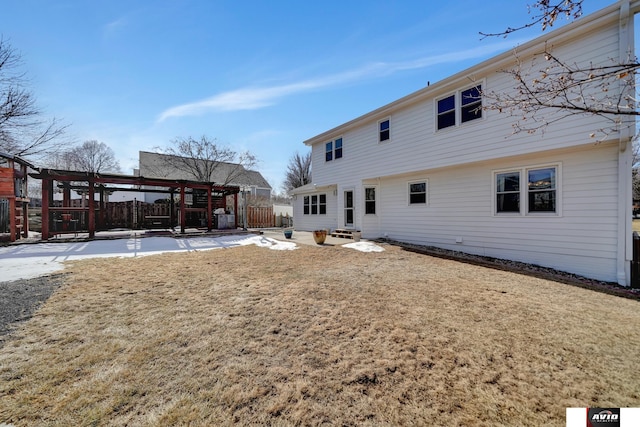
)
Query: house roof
[
  {"x": 502, "y": 61},
  {"x": 155, "y": 165},
  {"x": 310, "y": 188}
]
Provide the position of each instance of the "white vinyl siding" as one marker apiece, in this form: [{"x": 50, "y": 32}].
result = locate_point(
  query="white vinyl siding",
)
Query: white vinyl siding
[
  {"x": 312, "y": 222},
  {"x": 581, "y": 236},
  {"x": 461, "y": 206},
  {"x": 417, "y": 145}
]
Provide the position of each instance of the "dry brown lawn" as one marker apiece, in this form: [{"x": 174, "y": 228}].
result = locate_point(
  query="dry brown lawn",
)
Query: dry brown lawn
[{"x": 316, "y": 336}]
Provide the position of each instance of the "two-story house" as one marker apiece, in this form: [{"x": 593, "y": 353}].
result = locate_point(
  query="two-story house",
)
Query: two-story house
[{"x": 437, "y": 168}]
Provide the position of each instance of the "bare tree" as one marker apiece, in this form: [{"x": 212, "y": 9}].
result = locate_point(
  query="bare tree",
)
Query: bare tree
[
  {"x": 91, "y": 156},
  {"x": 546, "y": 16},
  {"x": 549, "y": 89},
  {"x": 298, "y": 171},
  {"x": 205, "y": 160},
  {"x": 23, "y": 132}
]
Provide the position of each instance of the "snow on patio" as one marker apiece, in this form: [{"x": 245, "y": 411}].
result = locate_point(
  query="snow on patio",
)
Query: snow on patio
[{"x": 26, "y": 261}]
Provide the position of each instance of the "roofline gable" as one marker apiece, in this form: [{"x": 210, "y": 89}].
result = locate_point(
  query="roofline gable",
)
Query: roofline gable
[{"x": 567, "y": 32}]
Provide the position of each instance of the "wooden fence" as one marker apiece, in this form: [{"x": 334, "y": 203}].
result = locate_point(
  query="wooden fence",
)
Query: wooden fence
[
  {"x": 263, "y": 217},
  {"x": 260, "y": 217},
  {"x": 137, "y": 214}
]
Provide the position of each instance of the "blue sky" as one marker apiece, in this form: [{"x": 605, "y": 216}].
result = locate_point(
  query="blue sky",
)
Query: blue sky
[{"x": 261, "y": 76}]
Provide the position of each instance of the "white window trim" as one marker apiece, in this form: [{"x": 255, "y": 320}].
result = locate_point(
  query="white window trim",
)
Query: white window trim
[
  {"x": 458, "y": 107},
  {"x": 333, "y": 149},
  {"x": 364, "y": 200},
  {"x": 317, "y": 204},
  {"x": 524, "y": 194},
  {"x": 418, "y": 181},
  {"x": 378, "y": 130}
]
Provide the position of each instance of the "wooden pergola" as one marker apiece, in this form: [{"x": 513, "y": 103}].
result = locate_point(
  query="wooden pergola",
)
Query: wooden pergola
[
  {"x": 13, "y": 188},
  {"x": 97, "y": 183}
]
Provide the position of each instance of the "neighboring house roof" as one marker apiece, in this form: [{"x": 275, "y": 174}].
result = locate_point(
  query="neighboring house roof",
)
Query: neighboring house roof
[{"x": 157, "y": 165}]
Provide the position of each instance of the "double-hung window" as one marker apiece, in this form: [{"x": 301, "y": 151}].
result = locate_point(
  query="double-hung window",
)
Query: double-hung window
[
  {"x": 471, "y": 104},
  {"x": 328, "y": 152},
  {"x": 527, "y": 191},
  {"x": 508, "y": 192},
  {"x": 541, "y": 186},
  {"x": 306, "y": 205},
  {"x": 337, "y": 151},
  {"x": 418, "y": 193},
  {"x": 333, "y": 150},
  {"x": 370, "y": 200},
  {"x": 460, "y": 107},
  {"x": 315, "y": 204},
  {"x": 447, "y": 112},
  {"x": 384, "y": 130}
]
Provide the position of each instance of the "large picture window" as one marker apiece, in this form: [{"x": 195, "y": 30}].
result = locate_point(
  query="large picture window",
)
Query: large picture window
[{"x": 526, "y": 191}]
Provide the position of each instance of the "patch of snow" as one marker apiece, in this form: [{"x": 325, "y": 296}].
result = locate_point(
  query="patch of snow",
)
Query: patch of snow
[
  {"x": 32, "y": 260},
  {"x": 364, "y": 247}
]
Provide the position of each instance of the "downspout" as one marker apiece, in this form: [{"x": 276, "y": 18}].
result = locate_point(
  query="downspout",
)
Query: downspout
[{"x": 626, "y": 130}]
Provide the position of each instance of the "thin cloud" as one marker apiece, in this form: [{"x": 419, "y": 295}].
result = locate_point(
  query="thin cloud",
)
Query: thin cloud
[
  {"x": 253, "y": 98},
  {"x": 114, "y": 27}
]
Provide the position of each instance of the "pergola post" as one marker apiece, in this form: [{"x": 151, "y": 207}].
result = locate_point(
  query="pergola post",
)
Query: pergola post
[
  {"x": 183, "y": 216},
  {"x": 92, "y": 209},
  {"x": 66, "y": 194},
  {"x": 47, "y": 189},
  {"x": 13, "y": 230},
  {"x": 172, "y": 209},
  {"x": 209, "y": 209},
  {"x": 235, "y": 209}
]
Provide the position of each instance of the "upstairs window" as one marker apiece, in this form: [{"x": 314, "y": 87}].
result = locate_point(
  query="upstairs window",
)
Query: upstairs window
[
  {"x": 333, "y": 150},
  {"x": 338, "y": 149},
  {"x": 471, "y": 104},
  {"x": 447, "y": 112},
  {"x": 383, "y": 130},
  {"x": 460, "y": 107}
]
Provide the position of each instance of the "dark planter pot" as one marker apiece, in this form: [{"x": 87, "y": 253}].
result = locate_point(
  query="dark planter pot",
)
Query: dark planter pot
[{"x": 288, "y": 233}]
